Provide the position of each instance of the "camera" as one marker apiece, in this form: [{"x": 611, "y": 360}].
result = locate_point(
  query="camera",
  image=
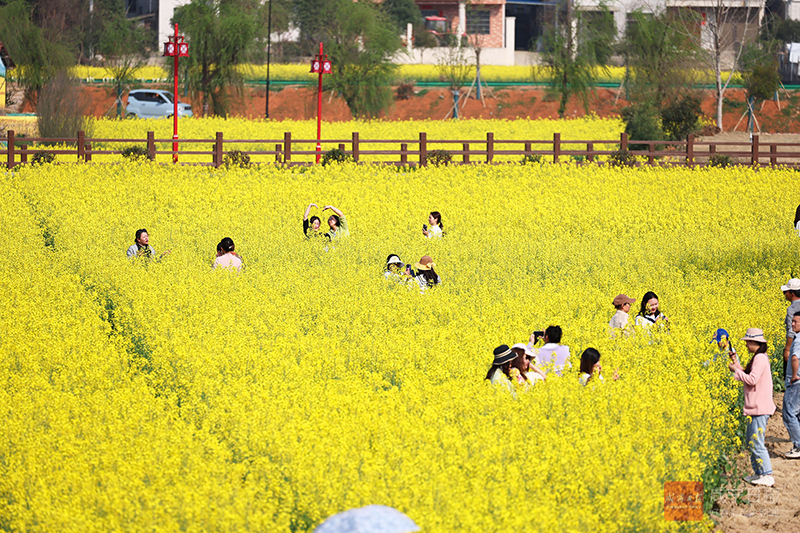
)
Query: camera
[{"x": 537, "y": 335}]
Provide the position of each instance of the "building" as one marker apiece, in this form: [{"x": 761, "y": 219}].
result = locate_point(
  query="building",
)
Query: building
[{"x": 156, "y": 14}]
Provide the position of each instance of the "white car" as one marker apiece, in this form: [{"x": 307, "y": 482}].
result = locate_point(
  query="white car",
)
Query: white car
[{"x": 150, "y": 103}]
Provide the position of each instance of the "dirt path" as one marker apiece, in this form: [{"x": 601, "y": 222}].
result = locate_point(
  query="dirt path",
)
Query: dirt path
[{"x": 770, "y": 509}]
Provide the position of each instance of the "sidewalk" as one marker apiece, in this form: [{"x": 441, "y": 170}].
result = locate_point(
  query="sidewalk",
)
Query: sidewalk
[{"x": 775, "y": 509}]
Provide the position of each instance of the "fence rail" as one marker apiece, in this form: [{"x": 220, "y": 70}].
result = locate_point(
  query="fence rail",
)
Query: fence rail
[{"x": 413, "y": 152}]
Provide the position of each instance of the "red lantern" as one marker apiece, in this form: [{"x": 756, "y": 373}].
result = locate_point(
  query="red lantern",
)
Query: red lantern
[
  {"x": 326, "y": 67},
  {"x": 183, "y": 50},
  {"x": 315, "y": 67},
  {"x": 169, "y": 49}
]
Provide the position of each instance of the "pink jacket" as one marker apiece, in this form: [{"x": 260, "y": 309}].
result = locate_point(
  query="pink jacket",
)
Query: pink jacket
[{"x": 757, "y": 387}]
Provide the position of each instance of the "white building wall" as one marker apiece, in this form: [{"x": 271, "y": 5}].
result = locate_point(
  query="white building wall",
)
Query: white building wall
[{"x": 166, "y": 9}]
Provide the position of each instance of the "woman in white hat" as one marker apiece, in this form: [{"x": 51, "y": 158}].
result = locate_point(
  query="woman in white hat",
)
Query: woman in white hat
[
  {"x": 758, "y": 404},
  {"x": 395, "y": 269}
]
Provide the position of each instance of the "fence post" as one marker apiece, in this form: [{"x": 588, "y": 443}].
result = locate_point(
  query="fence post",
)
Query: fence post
[
  {"x": 556, "y": 147},
  {"x": 590, "y": 155},
  {"x": 773, "y": 150},
  {"x": 23, "y": 154},
  {"x": 355, "y": 146},
  {"x": 87, "y": 156},
  {"x": 151, "y": 146},
  {"x": 10, "y": 148},
  {"x": 623, "y": 141},
  {"x": 423, "y": 149},
  {"x": 341, "y": 147},
  {"x": 81, "y": 145},
  {"x": 690, "y": 150},
  {"x": 278, "y": 155},
  {"x": 287, "y": 147},
  {"x": 651, "y": 159},
  {"x": 527, "y": 149},
  {"x": 489, "y": 147},
  {"x": 403, "y": 153},
  {"x": 465, "y": 148},
  {"x": 754, "y": 151},
  {"x": 218, "y": 150}
]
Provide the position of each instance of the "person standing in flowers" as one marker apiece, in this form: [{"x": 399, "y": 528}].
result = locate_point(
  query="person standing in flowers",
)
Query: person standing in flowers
[
  {"x": 313, "y": 224},
  {"x": 436, "y": 229},
  {"x": 797, "y": 220},
  {"x": 758, "y": 404},
  {"x": 791, "y": 398},
  {"x": 553, "y": 355},
  {"x": 226, "y": 256},
  {"x": 590, "y": 367},
  {"x": 141, "y": 246},
  {"x": 622, "y": 303},
  {"x": 396, "y": 270},
  {"x": 531, "y": 371},
  {"x": 337, "y": 223},
  {"x": 727, "y": 350},
  {"x": 791, "y": 291},
  {"x": 425, "y": 274},
  {"x": 649, "y": 313},
  {"x": 508, "y": 369}
]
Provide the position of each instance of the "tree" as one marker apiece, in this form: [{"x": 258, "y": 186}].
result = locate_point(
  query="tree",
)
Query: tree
[
  {"x": 715, "y": 37},
  {"x": 361, "y": 43},
  {"x": 123, "y": 47},
  {"x": 455, "y": 69},
  {"x": 221, "y": 34},
  {"x": 571, "y": 62},
  {"x": 38, "y": 58},
  {"x": 401, "y": 13},
  {"x": 658, "y": 55}
]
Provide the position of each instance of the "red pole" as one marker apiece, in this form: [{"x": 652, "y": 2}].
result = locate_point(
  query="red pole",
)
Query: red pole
[
  {"x": 175, "y": 103},
  {"x": 319, "y": 107}
]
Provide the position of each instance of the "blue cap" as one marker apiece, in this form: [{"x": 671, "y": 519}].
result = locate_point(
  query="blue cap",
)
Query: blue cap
[{"x": 718, "y": 336}]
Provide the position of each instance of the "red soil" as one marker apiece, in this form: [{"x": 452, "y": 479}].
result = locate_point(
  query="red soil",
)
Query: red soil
[{"x": 300, "y": 103}]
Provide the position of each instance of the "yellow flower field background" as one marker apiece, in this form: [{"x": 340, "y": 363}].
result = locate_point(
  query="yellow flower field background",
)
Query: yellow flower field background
[{"x": 165, "y": 396}]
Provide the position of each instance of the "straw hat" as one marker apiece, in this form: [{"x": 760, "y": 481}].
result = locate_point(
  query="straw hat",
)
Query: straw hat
[
  {"x": 425, "y": 263},
  {"x": 623, "y": 299}
]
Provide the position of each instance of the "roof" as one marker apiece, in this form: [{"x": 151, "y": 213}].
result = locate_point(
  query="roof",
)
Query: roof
[{"x": 5, "y": 57}]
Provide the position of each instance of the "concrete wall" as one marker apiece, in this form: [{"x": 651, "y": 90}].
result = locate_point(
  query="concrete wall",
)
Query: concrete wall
[
  {"x": 166, "y": 8},
  {"x": 502, "y": 55}
]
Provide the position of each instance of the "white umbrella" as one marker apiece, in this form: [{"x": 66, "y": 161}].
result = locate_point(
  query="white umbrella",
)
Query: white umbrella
[{"x": 369, "y": 519}]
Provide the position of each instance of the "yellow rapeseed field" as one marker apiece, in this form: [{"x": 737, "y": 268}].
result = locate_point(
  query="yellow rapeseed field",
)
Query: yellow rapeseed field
[{"x": 164, "y": 396}]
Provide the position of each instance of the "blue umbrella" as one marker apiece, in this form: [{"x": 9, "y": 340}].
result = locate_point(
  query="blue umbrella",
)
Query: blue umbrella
[{"x": 369, "y": 519}]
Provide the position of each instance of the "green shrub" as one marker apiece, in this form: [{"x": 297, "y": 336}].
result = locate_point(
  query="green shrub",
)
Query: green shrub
[
  {"x": 43, "y": 157},
  {"x": 622, "y": 158},
  {"x": 134, "y": 153},
  {"x": 439, "y": 158},
  {"x": 642, "y": 123},
  {"x": 236, "y": 158},
  {"x": 720, "y": 161},
  {"x": 681, "y": 117},
  {"x": 337, "y": 155},
  {"x": 531, "y": 159}
]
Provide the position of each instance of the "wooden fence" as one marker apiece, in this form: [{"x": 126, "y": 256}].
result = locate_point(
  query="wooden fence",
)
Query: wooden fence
[{"x": 288, "y": 151}]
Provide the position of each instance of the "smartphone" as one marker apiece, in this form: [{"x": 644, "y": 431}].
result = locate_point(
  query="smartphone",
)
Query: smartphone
[{"x": 424, "y": 227}]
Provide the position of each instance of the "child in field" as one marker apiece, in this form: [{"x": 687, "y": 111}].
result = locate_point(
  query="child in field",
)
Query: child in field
[
  {"x": 226, "y": 257},
  {"x": 436, "y": 229},
  {"x": 758, "y": 404}
]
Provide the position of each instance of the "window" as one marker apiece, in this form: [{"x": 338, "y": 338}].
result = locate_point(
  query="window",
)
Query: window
[{"x": 478, "y": 21}]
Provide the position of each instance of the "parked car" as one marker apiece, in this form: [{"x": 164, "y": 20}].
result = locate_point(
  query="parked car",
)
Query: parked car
[{"x": 149, "y": 103}]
